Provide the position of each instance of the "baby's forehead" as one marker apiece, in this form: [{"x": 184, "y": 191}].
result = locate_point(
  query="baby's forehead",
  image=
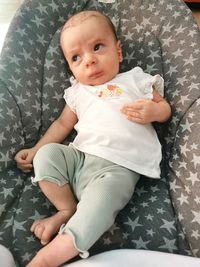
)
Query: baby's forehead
[{"x": 78, "y": 19}]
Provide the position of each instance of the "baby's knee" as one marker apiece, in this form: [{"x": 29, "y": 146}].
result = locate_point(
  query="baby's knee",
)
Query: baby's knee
[
  {"x": 46, "y": 152},
  {"x": 49, "y": 164}
]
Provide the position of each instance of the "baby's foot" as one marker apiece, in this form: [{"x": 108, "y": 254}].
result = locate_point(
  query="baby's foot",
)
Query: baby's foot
[{"x": 44, "y": 229}]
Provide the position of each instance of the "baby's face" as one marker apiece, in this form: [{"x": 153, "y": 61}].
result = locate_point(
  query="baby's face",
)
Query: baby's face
[{"x": 92, "y": 52}]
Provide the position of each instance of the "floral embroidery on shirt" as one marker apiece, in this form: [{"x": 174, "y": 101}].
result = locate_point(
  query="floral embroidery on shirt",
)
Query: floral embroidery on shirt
[{"x": 110, "y": 91}]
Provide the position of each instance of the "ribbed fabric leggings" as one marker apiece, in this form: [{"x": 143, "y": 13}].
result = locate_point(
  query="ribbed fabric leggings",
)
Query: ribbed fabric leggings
[{"x": 101, "y": 187}]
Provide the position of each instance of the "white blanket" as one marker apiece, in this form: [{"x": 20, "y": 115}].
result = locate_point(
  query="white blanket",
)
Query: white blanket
[
  {"x": 6, "y": 259},
  {"x": 136, "y": 258}
]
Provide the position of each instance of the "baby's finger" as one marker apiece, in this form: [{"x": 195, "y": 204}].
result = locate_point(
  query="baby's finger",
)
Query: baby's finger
[
  {"x": 20, "y": 160},
  {"x": 132, "y": 113},
  {"x": 133, "y": 107},
  {"x": 136, "y": 119},
  {"x": 26, "y": 171},
  {"x": 25, "y": 167}
]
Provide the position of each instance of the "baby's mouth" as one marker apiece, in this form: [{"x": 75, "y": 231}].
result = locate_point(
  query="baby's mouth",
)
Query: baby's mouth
[{"x": 96, "y": 74}]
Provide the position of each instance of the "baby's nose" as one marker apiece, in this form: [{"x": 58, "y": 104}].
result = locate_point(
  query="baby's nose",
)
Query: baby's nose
[{"x": 90, "y": 59}]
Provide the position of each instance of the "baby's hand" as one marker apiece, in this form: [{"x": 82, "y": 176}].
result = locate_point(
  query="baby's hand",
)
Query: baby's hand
[
  {"x": 24, "y": 159},
  {"x": 141, "y": 111}
]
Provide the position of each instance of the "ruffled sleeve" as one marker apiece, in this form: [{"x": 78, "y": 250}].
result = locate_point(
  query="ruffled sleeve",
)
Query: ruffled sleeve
[
  {"x": 146, "y": 83},
  {"x": 70, "y": 95}
]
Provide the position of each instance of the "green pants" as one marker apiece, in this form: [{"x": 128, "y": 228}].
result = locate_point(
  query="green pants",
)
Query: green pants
[{"x": 102, "y": 188}]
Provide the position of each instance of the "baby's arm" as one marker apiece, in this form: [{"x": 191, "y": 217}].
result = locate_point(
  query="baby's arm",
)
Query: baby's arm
[
  {"x": 56, "y": 133},
  {"x": 146, "y": 111}
]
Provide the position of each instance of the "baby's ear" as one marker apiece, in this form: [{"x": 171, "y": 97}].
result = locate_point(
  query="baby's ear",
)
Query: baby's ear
[{"x": 119, "y": 49}]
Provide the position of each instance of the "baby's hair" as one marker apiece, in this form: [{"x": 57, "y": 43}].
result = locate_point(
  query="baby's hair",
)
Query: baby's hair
[{"x": 84, "y": 15}]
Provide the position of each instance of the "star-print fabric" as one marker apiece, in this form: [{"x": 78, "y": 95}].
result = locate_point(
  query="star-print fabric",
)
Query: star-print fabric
[{"x": 161, "y": 37}]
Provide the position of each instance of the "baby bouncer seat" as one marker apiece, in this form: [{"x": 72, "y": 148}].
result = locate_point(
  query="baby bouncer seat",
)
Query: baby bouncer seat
[{"x": 161, "y": 37}]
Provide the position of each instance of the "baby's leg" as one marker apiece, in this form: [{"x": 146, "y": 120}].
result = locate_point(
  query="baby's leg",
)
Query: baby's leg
[
  {"x": 54, "y": 165},
  {"x": 62, "y": 198},
  {"x": 58, "y": 251},
  {"x": 99, "y": 205},
  {"x": 96, "y": 211}
]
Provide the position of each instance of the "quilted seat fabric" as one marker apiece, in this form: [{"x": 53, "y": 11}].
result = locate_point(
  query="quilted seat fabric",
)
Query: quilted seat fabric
[{"x": 161, "y": 37}]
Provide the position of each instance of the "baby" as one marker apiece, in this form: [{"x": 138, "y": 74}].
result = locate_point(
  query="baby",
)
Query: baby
[{"x": 94, "y": 177}]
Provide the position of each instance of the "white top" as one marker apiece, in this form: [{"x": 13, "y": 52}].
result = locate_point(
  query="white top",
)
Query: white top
[{"x": 104, "y": 131}]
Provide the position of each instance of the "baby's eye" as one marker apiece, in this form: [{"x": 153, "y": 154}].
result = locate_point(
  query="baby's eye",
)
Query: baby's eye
[
  {"x": 75, "y": 58},
  {"x": 97, "y": 47}
]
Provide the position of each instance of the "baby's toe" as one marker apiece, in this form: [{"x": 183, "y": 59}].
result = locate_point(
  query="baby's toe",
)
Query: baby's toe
[
  {"x": 46, "y": 236},
  {"x": 38, "y": 231},
  {"x": 34, "y": 225}
]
